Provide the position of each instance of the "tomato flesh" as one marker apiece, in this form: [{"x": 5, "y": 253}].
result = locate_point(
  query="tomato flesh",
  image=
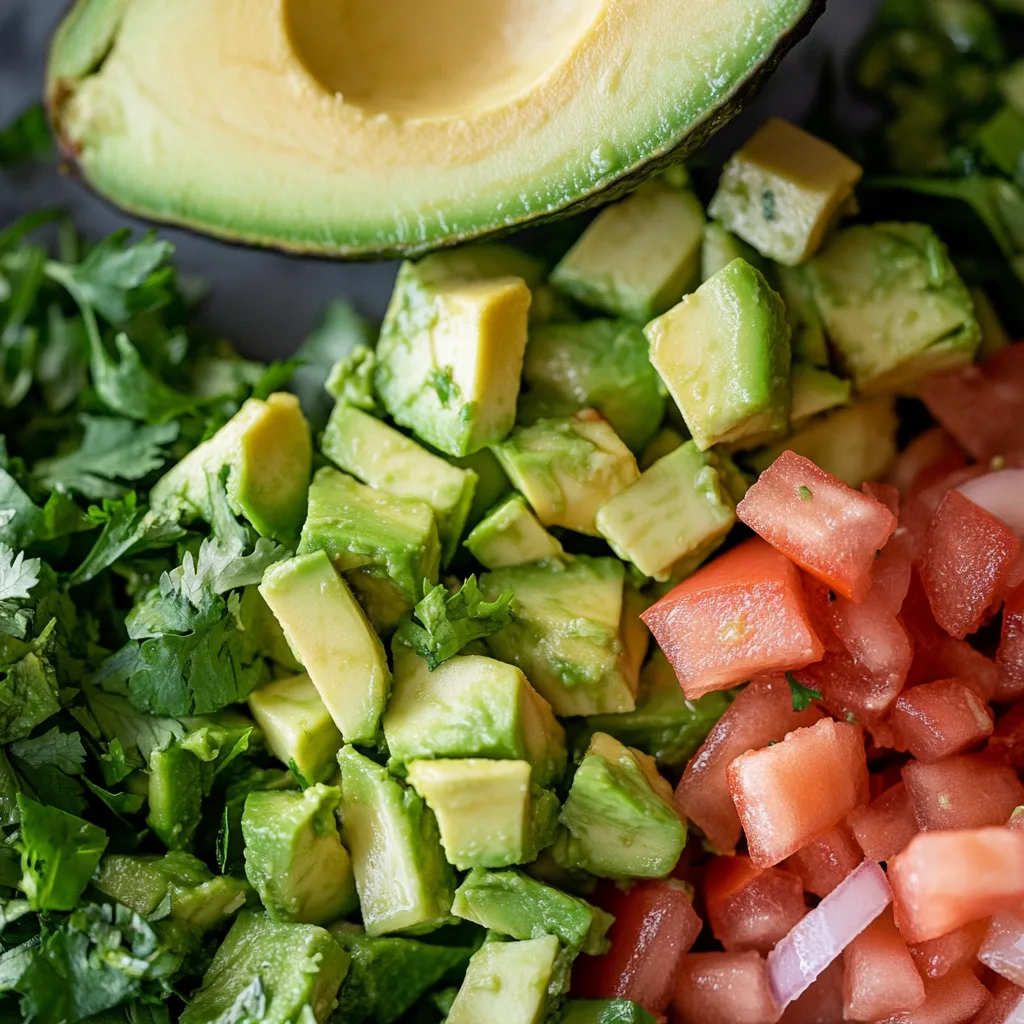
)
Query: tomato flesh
[
  {"x": 1006, "y": 743},
  {"x": 954, "y": 999},
  {"x": 740, "y": 616},
  {"x": 723, "y": 988},
  {"x": 789, "y": 793},
  {"x": 655, "y": 924},
  {"x": 762, "y": 714},
  {"x": 825, "y": 861},
  {"x": 823, "y": 524},
  {"x": 967, "y": 791},
  {"x": 1010, "y": 655},
  {"x": 938, "y": 719},
  {"x": 886, "y": 825},
  {"x": 880, "y": 976},
  {"x": 931, "y": 454},
  {"x": 1005, "y": 1007},
  {"x": 949, "y": 952}
]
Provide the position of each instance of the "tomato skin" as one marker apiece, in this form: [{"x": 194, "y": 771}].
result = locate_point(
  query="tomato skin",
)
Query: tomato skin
[
  {"x": 935, "y": 720},
  {"x": 929, "y": 455},
  {"x": 826, "y": 860},
  {"x": 750, "y": 908},
  {"x": 944, "y": 880},
  {"x": 1006, "y": 743},
  {"x": 723, "y": 988},
  {"x": 1010, "y": 655},
  {"x": 789, "y": 793},
  {"x": 880, "y": 976},
  {"x": 740, "y": 616},
  {"x": 966, "y": 791},
  {"x": 969, "y": 558},
  {"x": 655, "y": 925},
  {"x": 762, "y": 714},
  {"x": 980, "y": 405},
  {"x": 886, "y": 825},
  {"x": 824, "y": 525}
]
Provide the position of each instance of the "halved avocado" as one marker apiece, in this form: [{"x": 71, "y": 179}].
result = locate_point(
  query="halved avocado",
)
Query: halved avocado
[{"x": 368, "y": 128}]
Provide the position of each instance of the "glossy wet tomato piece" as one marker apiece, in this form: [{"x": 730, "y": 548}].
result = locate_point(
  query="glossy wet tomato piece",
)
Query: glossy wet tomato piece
[
  {"x": 880, "y": 976},
  {"x": 936, "y": 720}
]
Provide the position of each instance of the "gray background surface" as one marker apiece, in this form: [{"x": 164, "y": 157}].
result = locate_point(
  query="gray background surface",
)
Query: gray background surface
[{"x": 268, "y": 302}]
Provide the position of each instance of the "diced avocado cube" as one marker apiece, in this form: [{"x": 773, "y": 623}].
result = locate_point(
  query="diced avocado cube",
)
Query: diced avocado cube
[
  {"x": 620, "y": 816},
  {"x": 666, "y": 440},
  {"x": 510, "y": 534},
  {"x": 255, "y": 612},
  {"x": 855, "y": 444},
  {"x": 516, "y": 905},
  {"x": 507, "y": 982},
  {"x": 388, "y": 973},
  {"x": 293, "y": 971},
  {"x": 293, "y": 855},
  {"x": 678, "y": 509},
  {"x": 723, "y": 353},
  {"x": 783, "y": 190},
  {"x": 600, "y": 364},
  {"x": 994, "y": 336},
  {"x": 816, "y": 391},
  {"x": 604, "y": 1011},
  {"x": 806, "y": 328},
  {"x": 470, "y": 707},
  {"x": 491, "y": 485},
  {"x": 196, "y": 895},
  {"x": 486, "y": 811},
  {"x": 268, "y": 453},
  {"x": 296, "y": 725},
  {"x": 721, "y": 247},
  {"x": 385, "y": 546},
  {"x": 389, "y": 461},
  {"x": 637, "y": 256},
  {"x": 568, "y": 636},
  {"x": 175, "y": 795},
  {"x": 451, "y": 352},
  {"x": 665, "y": 724},
  {"x": 568, "y": 468},
  {"x": 330, "y": 635},
  {"x": 894, "y": 306},
  {"x": 403, "y": 880}
]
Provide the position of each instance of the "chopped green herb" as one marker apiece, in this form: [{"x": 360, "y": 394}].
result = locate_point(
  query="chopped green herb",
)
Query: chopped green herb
[
  {"x": 805, "y": 493},
  {"x": 802, "y": 695}
]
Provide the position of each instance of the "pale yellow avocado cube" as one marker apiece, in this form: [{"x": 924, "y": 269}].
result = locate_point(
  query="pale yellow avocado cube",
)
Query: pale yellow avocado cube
[
  {"x": 783, "y": 190},
  {"x": 330, "y": 635},
  {"x": 638, "y": 256},
  {"x": 568, "y": 467},
  {"x": 296, "y": 725},
  {"x": 483, "y": 809},
  {"x": 510, "y": 534}
]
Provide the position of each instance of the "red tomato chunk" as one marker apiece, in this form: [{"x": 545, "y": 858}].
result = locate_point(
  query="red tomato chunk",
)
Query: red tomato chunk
[
  {"x": 823, "y": 524},
  {"x": 951, "y": 951},
  {"x": 1010, "y": 656},
  {"x": 824, "y": 862},
  {"x": 740, "y": 616},
  {"x": 954, "y": 999},
  {"x": 723, "y": 988},
  {"x": 655, "y": 924},
  {"x": 789, "y": 793},
  {"x": 1005, "y": 1007},
  {"x": 938, "y": 719},
  {"x": 762, "y": 714},
  {"x": 886, "y": 825},
  {"x": 880, "y": 976},
  {"x": 944, "y": 880},
  {"x": 962, "y": 792}
]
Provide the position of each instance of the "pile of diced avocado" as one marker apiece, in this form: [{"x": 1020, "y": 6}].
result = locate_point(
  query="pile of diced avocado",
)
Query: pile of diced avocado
[{"x": 579, "y": 437}]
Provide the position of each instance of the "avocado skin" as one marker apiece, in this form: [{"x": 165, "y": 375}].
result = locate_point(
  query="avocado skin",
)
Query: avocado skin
[{"x": 58, "y": 90}]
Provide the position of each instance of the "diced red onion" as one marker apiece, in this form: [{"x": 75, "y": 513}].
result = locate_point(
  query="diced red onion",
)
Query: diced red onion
[
  {"x": 1000, "y": 493},
  {"x": 826, "y": 931},
  {"x": 1003, "y": 948}
]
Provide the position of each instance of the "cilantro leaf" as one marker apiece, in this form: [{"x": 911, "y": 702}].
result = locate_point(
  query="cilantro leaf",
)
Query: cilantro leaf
[
  {"x": 802, "y": 695},
  {"x": 351, "y": 379},
  {"x": 120, "y": 803},
  {"x": 47, "y": 764},
  {"x": 9, "y": 790},
  {"x": 111, "y": 449},
  {"x": 63, "y": 359},
  {"x": 59, "y": 853},
  {"x": 26, "y": 137},
  {"x": 18, "y": 576},
  {"x": 447, "y": 622},
  {"x": 28, "y": 696},
  {"x": 137, "y": 734},
  {"x": 114, "y": 763}
]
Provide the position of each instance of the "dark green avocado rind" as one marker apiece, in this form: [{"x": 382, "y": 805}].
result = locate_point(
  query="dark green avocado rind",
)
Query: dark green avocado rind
[{"x": 89, "y": 30}]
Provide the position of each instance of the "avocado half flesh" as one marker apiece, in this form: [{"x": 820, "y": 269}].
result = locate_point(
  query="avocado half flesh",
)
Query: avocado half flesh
[{"x": 354, "y": 128}]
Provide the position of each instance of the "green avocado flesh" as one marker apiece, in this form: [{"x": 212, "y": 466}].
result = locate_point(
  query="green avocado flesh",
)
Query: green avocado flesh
[{"x": 335, "y": 131}]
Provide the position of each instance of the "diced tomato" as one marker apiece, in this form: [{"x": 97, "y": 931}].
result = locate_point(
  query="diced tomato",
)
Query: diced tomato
[
  {"x": 723, "y": 988},
  {"x": 737, "y": 617},
  {"x": 749, "y": 907},
  {"x": 822, "y": 1003},
  {"x": 655, "y": 925},
  {"x": 931, "y": 454},
  {"x": 980, "y": 405},
  {"x": 1010, "y": 656},
  {"x": 1005, "y": 1007},
  {"x": 968, "y": 559},
  {"x": 881, "y": 978},
  {"x": 789, "y": 793},
  {"x": 887, "y": 494},
  {"x": 825, "y": 861},
  {"x": 954, "y": 999},
  {"x": 935, "y": 720},
  {"x": 1002, "y": 948},
  {"x": 886, "y": 825},
  {"x": 949, "y": 952},
  {"x": 762, "y": 714},
  {"x": 847, "y": 690},
  {"x": 968, "y": 791},
  {"x": 824, "y": 525},
  {"x": 944, "y": 880},
  {"x": 1006, "y": 743}
]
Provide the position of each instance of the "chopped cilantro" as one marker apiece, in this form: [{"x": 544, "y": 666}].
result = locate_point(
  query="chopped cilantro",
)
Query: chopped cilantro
[
  {"x": 802, "y": 695},
  {"x": 805, "y": 493}
]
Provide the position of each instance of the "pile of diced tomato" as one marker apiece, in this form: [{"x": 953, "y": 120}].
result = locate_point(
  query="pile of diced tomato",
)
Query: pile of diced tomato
[{"x": 857, "y": 854}]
